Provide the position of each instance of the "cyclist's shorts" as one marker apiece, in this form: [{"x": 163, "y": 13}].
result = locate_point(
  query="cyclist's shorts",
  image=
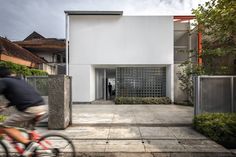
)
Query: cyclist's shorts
[{"x": 28, "y": 115}]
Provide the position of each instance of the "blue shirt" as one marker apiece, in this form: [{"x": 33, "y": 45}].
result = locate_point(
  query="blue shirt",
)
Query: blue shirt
[{"x": 20, "y": 93}]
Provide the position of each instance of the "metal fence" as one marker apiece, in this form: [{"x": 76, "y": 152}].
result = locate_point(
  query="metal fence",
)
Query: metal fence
[
  {"x": 40, "y": 83},
  {"x": 214, "y": 94}
]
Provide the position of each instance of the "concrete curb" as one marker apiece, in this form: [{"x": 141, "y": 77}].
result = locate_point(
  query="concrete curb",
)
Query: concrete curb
[{"x": 155, "y": 154}]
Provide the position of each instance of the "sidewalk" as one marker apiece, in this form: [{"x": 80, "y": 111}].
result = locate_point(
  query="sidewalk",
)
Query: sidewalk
[{"x": 138, "y": 131}]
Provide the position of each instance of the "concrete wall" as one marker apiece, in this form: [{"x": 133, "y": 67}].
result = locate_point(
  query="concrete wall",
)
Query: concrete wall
[
  {"x": 115, "y": 40},
  {"x": 121, "y": 39},
  {"x": 59, "y": 99}
]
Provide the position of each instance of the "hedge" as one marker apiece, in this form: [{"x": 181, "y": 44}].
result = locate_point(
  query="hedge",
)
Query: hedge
[
  {"x": 22, "y": 70},
  {"x": 220, "y": 127},
  {"x": 142, "y": 100}
]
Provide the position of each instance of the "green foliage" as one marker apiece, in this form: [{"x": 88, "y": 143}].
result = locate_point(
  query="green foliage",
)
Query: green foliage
[
  {"x": 220, "y": 127},
  {"x": 22, "y": 70},
  {"x": 189, "y": 69},
  {"x": 217, "y": 22},
  {"x": 2, "y": 118},
  {"x": 142, "y": 100}
]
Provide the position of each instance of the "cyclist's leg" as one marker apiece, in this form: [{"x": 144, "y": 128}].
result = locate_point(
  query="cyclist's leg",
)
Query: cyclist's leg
[
  {"x": 19, "y": 118},
  {"x": 14, "y": 121},
  {"x": 16, "y": 135}
]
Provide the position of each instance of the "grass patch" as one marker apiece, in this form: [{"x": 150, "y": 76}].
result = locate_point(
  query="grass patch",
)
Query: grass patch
[{"x": 220, "y": 127}]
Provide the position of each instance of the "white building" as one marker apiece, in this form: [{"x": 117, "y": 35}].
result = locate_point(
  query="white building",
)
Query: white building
[{"x": 136, "y": 54}]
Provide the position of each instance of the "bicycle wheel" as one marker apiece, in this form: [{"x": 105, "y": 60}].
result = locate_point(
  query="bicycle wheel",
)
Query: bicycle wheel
[
  {"x": 3, "y": 150},
  {"x": 56, "y": 145}
]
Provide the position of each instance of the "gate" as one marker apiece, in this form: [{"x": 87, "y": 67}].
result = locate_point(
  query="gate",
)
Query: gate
[{"x": 214, "y": 94}]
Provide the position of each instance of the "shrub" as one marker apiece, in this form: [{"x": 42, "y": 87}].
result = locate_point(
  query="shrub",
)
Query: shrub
[
  {"x": 22, "y": 70},
  {"x": 220, "y": 127},
  {"x": 142, "y": 100}
]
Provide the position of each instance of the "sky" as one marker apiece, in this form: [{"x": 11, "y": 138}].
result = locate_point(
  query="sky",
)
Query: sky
[{"x": 19, "y": 18}]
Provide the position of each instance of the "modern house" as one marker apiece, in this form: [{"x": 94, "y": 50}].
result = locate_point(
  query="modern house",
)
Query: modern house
[
  {"x": 50, "y": 49},
  {"x": 138, "y": 55}
]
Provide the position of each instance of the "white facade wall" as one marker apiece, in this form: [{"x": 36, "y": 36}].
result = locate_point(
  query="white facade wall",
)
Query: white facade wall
[
  {"x": 117, "y": 40},
  {"x": 170, "y": 81}
]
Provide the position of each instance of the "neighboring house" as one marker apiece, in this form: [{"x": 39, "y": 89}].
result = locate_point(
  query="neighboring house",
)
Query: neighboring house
[
  {"x": 16, "y": 54},
  {"x": 138, "y": 55},
  {"x": 50, "y": 49}
]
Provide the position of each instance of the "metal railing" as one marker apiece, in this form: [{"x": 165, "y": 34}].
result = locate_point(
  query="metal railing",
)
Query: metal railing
[
  {"x": 40, "y": 83},
  {"x": 214, "y": 94}
]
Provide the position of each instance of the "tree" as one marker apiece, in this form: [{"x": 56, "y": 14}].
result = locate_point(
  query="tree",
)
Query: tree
[{"x": 216, "y": 21}]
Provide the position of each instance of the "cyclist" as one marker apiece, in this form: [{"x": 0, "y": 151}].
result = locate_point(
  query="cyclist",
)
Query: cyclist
[{"x": 28, "y": 103}]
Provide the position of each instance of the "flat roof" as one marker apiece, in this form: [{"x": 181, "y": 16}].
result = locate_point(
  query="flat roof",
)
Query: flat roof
[{"x": 94, "y": 12}]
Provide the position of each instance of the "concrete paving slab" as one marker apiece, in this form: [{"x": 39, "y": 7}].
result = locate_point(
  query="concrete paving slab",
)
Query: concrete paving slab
[
  {"x": 125, "y": 146},
  {"x": 148, "y": 120},
  {"x": 163, "y": 146},
  {"x": 90, "y": 145},
  {"x": 123, "y": 118},
  {"x": 93, "y": 118},
  {"x": 196, "y": 145},
  {"x": 186, "y": 133},
  {"x": 156, "y": 133},
  {"x": 87, "y": 132},
  {"x": 124, "y": 133}
]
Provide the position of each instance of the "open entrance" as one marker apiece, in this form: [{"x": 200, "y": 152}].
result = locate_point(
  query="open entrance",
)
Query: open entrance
[{"x": 105, "y": 84}]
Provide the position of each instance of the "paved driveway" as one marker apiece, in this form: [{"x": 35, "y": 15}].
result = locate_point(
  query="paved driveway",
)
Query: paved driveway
[
  {"x": 149, "y": 129},
  {"x": 138, "y": 131},
  {"x": 159, "y": 115}
]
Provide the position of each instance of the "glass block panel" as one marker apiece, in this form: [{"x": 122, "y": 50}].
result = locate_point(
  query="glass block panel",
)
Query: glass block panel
[{"x": 141, "y": 81}]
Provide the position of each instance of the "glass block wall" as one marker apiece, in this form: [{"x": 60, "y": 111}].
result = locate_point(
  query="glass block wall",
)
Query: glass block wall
[{"x": 141, "y": 82}]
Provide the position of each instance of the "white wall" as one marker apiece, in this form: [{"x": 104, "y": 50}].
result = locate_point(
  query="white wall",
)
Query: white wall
[
  {"x": 46, "y": 56},
  {"x": 81, "y": 75},
  {"x": 107, "y": 39},
  {"x": 170, "y": 82},
  {"x": 92, "y": 83},
  {"x": 116, "y": 40}
]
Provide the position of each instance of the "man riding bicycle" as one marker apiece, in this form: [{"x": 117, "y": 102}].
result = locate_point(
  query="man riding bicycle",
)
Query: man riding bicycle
[{"x": 27, "y": 101}]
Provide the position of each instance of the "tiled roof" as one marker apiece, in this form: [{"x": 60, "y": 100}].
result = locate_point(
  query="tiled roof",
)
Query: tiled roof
[
  {"x": 47, "y": 45},
  {"x": 9, "y": 48},
  {"x": 34, "y": 35}
]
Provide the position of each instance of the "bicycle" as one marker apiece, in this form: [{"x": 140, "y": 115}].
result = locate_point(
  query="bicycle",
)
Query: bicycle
[{"x": 46, "y": 147}]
